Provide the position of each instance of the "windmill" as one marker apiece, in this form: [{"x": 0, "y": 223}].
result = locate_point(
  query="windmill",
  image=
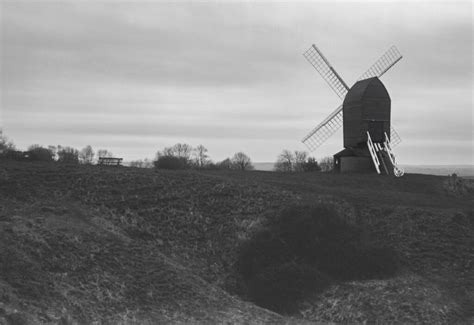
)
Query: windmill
[{"x": 364, "y": 116}]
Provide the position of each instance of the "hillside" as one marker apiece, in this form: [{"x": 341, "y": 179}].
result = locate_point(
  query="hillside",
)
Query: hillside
[{"x": 124, "y": 245}]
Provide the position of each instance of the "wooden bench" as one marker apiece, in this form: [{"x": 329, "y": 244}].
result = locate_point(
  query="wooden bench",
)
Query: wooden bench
[{"x": 109, "y": 161}]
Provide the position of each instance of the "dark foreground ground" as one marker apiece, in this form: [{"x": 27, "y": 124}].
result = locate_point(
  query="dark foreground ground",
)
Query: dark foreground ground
[{"x": 137, "y": 246}]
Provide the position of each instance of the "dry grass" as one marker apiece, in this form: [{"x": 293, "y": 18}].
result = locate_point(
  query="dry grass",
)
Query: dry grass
[{"x": 124, "y": 245}]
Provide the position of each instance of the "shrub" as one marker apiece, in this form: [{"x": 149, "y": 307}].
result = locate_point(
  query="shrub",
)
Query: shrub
[
  {"x": 311, "y": 165},
  {"x": 224, "y": 164},
  {"x": 280, "y": 287},
  {"x": 322, "y": 246},
  {"x": 37, "y": 153},
  {"x": 170, "y": 162}
]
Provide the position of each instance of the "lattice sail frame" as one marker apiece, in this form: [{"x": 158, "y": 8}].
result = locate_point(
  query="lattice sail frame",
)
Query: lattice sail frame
[
  {"x": 322, "y": 65},
  {"x": 333, "y": 122}
]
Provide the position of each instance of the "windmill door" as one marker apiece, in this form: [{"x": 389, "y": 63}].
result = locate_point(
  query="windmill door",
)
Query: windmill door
[{"x": 376, "y": 131}]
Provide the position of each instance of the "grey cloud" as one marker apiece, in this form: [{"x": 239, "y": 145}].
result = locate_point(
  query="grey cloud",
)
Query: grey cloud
[{"x": 231, "y": 71}]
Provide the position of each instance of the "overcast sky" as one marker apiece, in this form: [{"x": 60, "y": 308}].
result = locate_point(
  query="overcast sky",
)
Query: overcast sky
[{"x": 134, "y": 77}]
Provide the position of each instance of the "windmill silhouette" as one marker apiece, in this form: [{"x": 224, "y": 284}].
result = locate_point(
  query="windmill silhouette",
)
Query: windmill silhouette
[{"x": 364, "y": 115}]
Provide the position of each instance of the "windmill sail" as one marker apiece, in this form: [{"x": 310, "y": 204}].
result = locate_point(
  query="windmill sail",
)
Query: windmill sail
[
  {"x": 322, "y": 65},
  {"x": 333, "y": 122},
  {"x": 383, "y": 64},
  {"x": 324, "y": 130},
  {"x": 394, "y": 137}
]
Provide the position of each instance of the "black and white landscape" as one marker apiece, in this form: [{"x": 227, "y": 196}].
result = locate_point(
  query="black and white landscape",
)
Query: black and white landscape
[{"x": 205, "y": 162}]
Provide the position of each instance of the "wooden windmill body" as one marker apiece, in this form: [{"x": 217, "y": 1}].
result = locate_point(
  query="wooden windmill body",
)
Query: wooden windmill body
[{"x": 365, "y": 116}]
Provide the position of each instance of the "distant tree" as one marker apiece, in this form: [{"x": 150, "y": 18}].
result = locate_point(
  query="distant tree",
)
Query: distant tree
[
  {"x": 182, "y": 150},
  {"x": 168, "y": 151},
  {"x": 136, "y": 163},
  {"x": 311, "y": 165},
  {"x": 300, "y": 160},
  {"x": 54, "y": 151},
  {"x": 289, "y": 161},
  {"x": 224, "y": 164},
  {"x": 326, "y": 164},
  {"x": 145, "y": 163},
  {"x": 86, "y": 155},
  {"x": 104, "y": 153},
  {"x": 68, "y": 155},
  {"x": 201, "y": 157},
  {"x": 5, "y": 144},
  {"x": 284, "y": 161},
  {"x": 38, "y": 153},
  {"x": 241, "y": 161}
]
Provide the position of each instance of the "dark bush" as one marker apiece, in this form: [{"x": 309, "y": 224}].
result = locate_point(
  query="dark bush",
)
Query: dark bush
[
  {"x": 14, "y": 155},
  {"x": 225, "y": 164},
  {"x": 319, "y": 245},
  {"x": 263, "y": 251},
  {"x": 39, "y": 154},
  {"x": 311, "y": 165},
  {"x": 170, "y": 162},
  {"x": 280, "y": 287}
]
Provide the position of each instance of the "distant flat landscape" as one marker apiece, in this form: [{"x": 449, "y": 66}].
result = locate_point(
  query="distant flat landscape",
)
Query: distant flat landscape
[{"x": 441, "y": 170}]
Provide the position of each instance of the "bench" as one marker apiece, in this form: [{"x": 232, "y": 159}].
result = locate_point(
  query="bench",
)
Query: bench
[{"x": 109, "y": 161}]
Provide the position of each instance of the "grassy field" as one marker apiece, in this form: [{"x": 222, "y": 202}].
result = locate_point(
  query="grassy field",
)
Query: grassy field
[{"x": 84, "y": 244}]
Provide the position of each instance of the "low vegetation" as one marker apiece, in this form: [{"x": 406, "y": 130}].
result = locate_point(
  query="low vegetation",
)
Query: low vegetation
[{"x": 303, "y": 251}]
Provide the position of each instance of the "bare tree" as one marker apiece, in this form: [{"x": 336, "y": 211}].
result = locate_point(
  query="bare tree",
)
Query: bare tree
[
  {"x": 201, "y": 156},
  {"x": 104, "y": 153},
  {"x": 136, "y": 163},
  {"x": 147, "y": 163},
  {"x": 68, "y": 155},
  {"x": 168, "y": 151},
  {"x": 5, "y": 144},
  {"x": 224, "y": 164},
  {"x": 285, "y": 161},
  {"x": 54, "y": 151},
  {"x": 241, "y": 161},
  {"x": 300, "y": 160},
  {"x": 326, "y": 164},
  {"x": 86, "y": 155},
  {"x": 182, "y": 150}
]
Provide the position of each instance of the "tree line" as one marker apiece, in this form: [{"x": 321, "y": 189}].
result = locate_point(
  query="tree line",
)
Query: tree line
[
  {"x": 51, "y": 153},
  {"x": 178, "y": 156},
  {"x": 184, "y": 156}
]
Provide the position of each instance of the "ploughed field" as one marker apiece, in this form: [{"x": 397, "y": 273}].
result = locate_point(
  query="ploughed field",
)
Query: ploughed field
[{"x": 85, "y": 244}]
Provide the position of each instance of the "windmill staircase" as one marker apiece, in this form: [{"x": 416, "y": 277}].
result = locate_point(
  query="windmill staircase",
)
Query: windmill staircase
[{"x": 383, "y": 157}]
